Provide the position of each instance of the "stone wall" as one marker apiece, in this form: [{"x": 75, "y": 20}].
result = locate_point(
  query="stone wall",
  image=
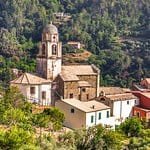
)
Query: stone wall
[
  {"x": 86, "y": 93},
  {"x": 71, "y": 87},
  {"x": 92, "y": 91}
]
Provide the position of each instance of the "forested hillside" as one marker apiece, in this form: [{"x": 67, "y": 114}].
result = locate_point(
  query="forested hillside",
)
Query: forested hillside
[{"x": 117, "y": 32}]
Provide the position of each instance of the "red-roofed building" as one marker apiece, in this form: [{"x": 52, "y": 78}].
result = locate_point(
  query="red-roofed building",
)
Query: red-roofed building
[
  {"x": 141, "y": 113},
  {"x": 144, "y": 98},
  {"x": 143, "y": 110}
]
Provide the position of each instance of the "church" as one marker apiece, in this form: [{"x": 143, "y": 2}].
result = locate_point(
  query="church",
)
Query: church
[
  {"x": 54, "y": 81},
  {"x": 74, "y": 89}
]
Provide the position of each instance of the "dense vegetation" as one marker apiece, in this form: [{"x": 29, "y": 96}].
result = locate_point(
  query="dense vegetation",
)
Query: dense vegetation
[
  {"x": 116, "y": 32},
  {"x": 23, "y": 128}
]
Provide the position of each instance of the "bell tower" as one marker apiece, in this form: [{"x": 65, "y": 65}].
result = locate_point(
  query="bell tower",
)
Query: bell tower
[{"x": 49, "y": 58}]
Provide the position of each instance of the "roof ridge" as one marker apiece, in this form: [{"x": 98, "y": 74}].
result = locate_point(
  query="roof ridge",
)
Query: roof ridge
[{"x": 26, "y": 74}]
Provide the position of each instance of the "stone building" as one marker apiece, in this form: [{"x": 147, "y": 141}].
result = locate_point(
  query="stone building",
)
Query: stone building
[
  {"x": 75, "y": 81},
  {"x": 79, "y": 81}
]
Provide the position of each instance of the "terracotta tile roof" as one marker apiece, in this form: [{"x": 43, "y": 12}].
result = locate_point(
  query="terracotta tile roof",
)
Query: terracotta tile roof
[
  {"x": 71, "y": 72},
  {"x": 146, "y": 94},
  {"x": 111, "y": 90},
  {"x": 89, "y": 106},
  {"x": 28, "y": 78},
  {"x": 118, "y": 97},
  {"x": 84, "y": 84},
  {"x": 68, "y": 76},
  {"x": 79, "y": 69},
  {"x": 138, "y": 107}
]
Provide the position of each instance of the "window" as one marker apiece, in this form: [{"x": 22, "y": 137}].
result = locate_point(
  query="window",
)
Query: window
[
  {"x": 71, "y": 95},
  {"x": 128, "y": 102},
  {"x": 92, "y": 119},
  {"x": 79, "y": 97},
  {"x": 54, "y": 38},
  {"x": 72, "y": 110},
  {"x": 87, "y": 96},
  {"x": 54, "y": 49},
  {"x": 43, "y": 49},
  {"x": 32, "y": 90},
  {"x": 135, "y": 102},
  {"x": 83, "y": 90},
  {"x": 107, "y": 114},
  {"x": 138, "y": 114},
  {"x": 99, "y": 116},
  {"x": 43, "y": 95}
]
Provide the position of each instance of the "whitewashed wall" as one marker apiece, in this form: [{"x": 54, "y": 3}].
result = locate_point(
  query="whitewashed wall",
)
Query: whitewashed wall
[
  {"x": 37, "y": 97},
  {"x": 104, "y": 120},
  {"x": 47, "y": 89},
  {"x": 121, "y": 109}
]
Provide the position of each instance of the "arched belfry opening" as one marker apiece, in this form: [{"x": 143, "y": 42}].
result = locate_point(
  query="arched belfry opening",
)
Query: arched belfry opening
[{"x": 43, "y": 49}]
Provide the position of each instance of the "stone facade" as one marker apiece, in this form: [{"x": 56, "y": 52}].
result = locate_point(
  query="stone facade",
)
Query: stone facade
[{"x": 73, "y": 89}]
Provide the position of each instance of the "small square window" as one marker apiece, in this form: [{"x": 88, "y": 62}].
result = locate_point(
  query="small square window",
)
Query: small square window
[
  {"x": 72, "y": 110},
  {"x": 32, "y": 90},
  {"x": 83, "y": 90},
  {"x": 128, "y": 102},
  {"x": 71, "y": 95}
]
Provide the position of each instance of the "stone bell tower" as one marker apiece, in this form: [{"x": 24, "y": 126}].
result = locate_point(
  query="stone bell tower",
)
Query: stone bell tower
[{"x": 49, "y": 58}]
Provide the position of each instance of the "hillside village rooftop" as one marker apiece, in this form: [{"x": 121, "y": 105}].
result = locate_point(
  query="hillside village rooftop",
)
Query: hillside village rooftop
[
  {"x": 111, "y": 90},
  {"x": 79, "y": 69},
  {"x": 146, "y": 94},
  {"x": 28, "y": 78},
  {"x": 89, "y": 106},
  {"x": 118, "y": 97}
]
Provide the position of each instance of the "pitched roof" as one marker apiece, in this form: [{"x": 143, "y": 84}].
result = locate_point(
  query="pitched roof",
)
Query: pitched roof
[
  {"x": 89, "y": 106},
  {"x": 28, "y": 78},
  {"x": 79, "y": 69},
  {"x": 68, "y": 76},
  {"x": 144, "y": 109},
  {"x": 71, "y": 72},
  {"x": 111, "y": 90},
  {"x": 120, "y": 97},
  {"x": 146, "y": 94}
]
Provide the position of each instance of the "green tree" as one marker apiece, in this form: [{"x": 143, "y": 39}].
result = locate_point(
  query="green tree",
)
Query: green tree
[
  {"x": 56, "y": 117},
  {"x": 17, "y": 138},
  {"x": 132, "y": 127}
]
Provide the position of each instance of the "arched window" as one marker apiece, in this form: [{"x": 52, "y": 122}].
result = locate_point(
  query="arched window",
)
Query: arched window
[
  {"x": 43, "y": 49},
  {"x": 54, "y": 49}
]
